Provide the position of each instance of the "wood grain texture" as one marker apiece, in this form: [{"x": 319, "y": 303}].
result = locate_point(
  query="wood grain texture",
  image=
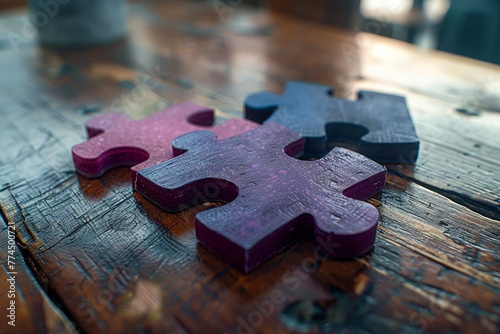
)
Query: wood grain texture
[
  {"x": 273, "y": 199},
  {"x": 33, "y": 310},
  {"x": 380, "y": 124},
  {"x": 114, "y": 262}
]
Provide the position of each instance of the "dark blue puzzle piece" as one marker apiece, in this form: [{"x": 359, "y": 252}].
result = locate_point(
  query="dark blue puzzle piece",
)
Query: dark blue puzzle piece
[{"x": 380, "y": 122}]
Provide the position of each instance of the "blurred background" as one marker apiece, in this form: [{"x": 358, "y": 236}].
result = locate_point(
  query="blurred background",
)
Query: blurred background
[{"x": 469, "y": 28}]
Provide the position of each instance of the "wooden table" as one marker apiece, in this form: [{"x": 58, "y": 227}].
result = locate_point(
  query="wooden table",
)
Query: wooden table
[{"x": 92, "y": 256}]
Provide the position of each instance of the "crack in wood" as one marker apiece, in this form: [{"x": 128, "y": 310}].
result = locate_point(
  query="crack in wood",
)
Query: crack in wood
[
  {"x": 480, "y": 207},
  {"x": 37, "y": 274}
]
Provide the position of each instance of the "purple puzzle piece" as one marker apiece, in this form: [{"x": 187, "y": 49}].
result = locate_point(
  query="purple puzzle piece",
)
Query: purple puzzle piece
[
  {"x": 115, "y": 140},
  {"x": 274, "y": 198},
  {"x": 379, "y": 123}
]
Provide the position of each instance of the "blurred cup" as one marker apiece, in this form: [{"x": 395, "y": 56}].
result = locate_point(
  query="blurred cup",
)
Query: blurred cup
[{"x": 79, "y": 23}]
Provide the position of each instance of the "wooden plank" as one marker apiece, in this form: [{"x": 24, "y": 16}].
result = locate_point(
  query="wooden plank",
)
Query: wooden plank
[
  {"x": 462, "y": 81},
  {"x": 128, "y": 254},
  {"x": 474, "y": 139},
  {"x": 98, "y": 224},
  {"x": 116, "y": 262},
  {"x": 32, "y": 310},
  {"x": 458, "y": 153}
]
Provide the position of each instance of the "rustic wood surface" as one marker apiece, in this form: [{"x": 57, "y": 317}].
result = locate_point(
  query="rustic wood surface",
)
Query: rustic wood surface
[{"x": 94, "y": 257}]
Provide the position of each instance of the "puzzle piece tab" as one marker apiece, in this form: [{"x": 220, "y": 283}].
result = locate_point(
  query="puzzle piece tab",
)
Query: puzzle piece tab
[
  {"x": 274, "y": 199},
  {"x": 379, "y": 123},
  {"x": 115, "y": 140}
]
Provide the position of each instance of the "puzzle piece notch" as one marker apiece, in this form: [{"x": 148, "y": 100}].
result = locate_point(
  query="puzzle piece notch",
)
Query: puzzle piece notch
[
  {"x": 381, "y": 123},
  {"x": 115, "y": 140},
  {"x": 274, "y": 199}
]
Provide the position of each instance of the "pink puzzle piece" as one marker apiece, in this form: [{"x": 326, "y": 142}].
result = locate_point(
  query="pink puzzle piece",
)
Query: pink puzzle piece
[{"x": 115, "y": 140}]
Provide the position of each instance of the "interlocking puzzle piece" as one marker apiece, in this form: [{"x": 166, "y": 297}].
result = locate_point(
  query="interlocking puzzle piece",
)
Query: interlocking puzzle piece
[
  {"x": 115, "y": 140},
  {"x": 382, "y": 122},
  {"x": 274, "y": 198}
]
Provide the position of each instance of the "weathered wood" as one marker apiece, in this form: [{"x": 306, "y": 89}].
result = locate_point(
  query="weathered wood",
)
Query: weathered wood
[
  {"x": 459, "y": 153},
  {"x": 32, "y": 311},
  {"x": 475, "y": 85},
  {"x": 115, "y": 262}
]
